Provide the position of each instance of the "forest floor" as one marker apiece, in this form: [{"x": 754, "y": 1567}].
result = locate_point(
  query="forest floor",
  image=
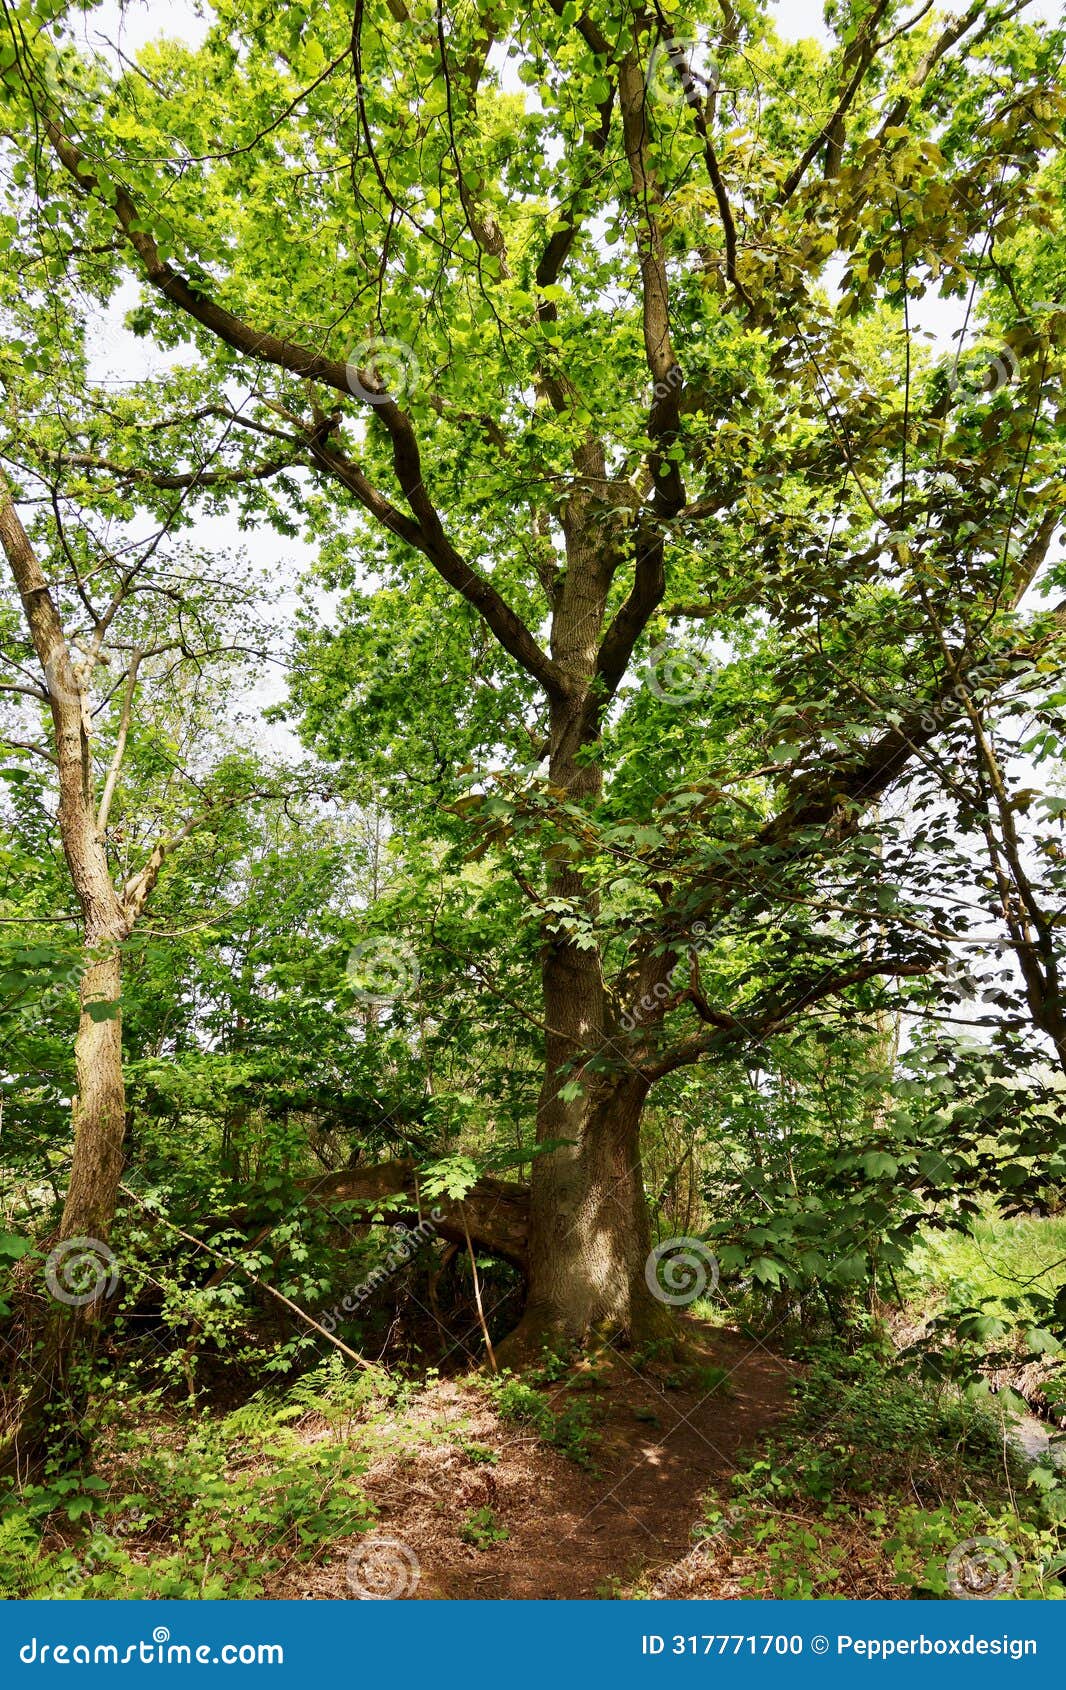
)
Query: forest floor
[
  {"x": 617, "y": 1519},
  {"x": 611, "y": 1475}
]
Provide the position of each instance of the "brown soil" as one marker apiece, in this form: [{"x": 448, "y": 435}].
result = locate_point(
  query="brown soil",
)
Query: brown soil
[{"x": 572, "y": 1532}]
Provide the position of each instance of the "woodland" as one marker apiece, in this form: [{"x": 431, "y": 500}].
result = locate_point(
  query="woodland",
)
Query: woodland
[{"x": 532, "y": 799}]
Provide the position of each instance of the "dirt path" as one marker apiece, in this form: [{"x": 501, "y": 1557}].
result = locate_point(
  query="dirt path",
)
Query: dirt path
[{"x": 570, "y": 1532}]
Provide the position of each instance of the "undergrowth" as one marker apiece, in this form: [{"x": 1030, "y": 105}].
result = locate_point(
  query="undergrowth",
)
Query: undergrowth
[
  {"x": 202, "y": 1512},
  {"x": 882, "y": 1486}
]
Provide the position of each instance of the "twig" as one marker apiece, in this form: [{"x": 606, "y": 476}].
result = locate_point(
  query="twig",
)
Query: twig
[
  {"x": 477, "y": 1292},
  {"x": 263, "y": 1286}
]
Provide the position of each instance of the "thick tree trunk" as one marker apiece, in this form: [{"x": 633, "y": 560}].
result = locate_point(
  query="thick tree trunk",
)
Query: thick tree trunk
[
  {"x": 589, "y": 1227},
  {"x": 590, "y": 1235}
]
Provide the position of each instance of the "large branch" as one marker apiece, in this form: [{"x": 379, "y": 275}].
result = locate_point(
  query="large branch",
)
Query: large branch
[
  {"x": 649, "y": 575},
  {"x": 177, "y": 481},
  {"x": 495, "y": 1211},
  {"x": 825, "y": 809},
  {"x": 139, "y": 888},
  {"x": 725, "y": 1030},
  {"x": 710, "y": 156},
  {"x": 428, "y": 531},
  {"x": 837, "y": 797},
  {"x": 864, "y": 51}
]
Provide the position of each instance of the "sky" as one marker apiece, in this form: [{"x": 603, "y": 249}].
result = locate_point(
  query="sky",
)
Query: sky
[{"x": 140, "y": 21}]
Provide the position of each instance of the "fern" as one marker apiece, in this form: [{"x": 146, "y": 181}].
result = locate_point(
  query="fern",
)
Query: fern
[
  {"x": 23, "y": 1575},
  {"x": 331, "y": 1390}
]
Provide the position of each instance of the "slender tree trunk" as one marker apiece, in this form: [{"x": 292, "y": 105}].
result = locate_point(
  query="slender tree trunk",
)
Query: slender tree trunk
[
  {"x": 100, "y": 1106},
  {"x": 79, "y": 1270}
]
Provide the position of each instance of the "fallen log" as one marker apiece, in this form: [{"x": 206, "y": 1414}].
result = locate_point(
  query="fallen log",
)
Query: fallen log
[{"x": 495, "y": 1211}]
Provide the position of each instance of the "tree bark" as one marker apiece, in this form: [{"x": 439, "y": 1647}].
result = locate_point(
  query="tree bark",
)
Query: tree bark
[
  {"x": 589, "y": 1234},
  {"x": 100, "y": 1107}
]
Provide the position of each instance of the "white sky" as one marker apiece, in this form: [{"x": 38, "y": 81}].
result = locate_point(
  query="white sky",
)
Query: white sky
[{"x": 140, "y": 21}]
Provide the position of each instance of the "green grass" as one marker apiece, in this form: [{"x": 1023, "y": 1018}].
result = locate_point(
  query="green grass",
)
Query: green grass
[{"x": 996, "y": 1259}]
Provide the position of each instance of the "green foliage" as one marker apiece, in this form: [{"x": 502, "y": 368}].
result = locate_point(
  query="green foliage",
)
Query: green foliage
[
  {"x": 482, "y": 1455},
  {"x": 875, "y": 1481},
  {"x": 993, "y": 1261},
  {"x": 22, "y": 1576},
  {"x": 694, "y": 692},
  {"x": 1030, "y": 1554},
  {"x": 571, "y": 1429},
  {"x": 522, "y": 1404},
  {"x": 208, "y": 1512},
  {"x": 481, "y": 1529}
]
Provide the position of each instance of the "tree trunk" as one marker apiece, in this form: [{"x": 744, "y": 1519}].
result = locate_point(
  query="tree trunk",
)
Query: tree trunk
[
  {"x": 80, "y": 1269},
  {"x": 590, "y": 1235},
  {"x": 100, "y": 1106}
]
